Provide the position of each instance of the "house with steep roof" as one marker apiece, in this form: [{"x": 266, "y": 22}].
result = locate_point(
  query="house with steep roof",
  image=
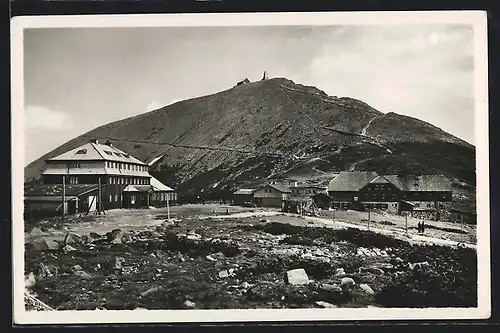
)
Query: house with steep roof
[
  {"x": 271, "y": 195},
  {"x": 369, "y": 190},
  {"x": 244, "y": 197}
]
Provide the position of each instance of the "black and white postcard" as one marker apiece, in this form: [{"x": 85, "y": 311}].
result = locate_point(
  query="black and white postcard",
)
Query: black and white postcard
[{"x": 250, "y": 167}]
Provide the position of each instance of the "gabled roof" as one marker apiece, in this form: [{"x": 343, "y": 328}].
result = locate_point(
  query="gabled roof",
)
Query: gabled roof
[
  {"x": 351, "y": 181},
  {"x": 137, "y": 188},
  {"x": 422, "y": 183},
  {"x": 96, "y": 151},
  {"x": 159, "y": 186},
  {"x": 244, "y": 191},
  {"x": 279, "y": 188},
  {"x": 57, "y": 190}
]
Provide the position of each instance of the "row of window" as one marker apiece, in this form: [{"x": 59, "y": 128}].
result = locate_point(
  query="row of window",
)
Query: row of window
[
  {"x": 116, "y": 197},
  {"x": 163, "y": 196},
  {"x": 126, "y": 166},
  {"x": 128, "y": 181}
]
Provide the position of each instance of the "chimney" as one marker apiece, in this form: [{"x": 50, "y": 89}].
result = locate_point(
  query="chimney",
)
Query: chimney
[
  {"x": 108, "y": 143},
  {"x": 94, "y": 141}
]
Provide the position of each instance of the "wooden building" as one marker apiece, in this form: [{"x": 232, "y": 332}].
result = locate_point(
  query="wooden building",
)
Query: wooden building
[
  {"x": 323, "y": 200},
  {"x": 244, "y": 197},
  {"x": 271, "y": 195},
  {"x": 306, "y": 191},
  {"x": 42, "y": 201},
  {"x": 161, "y": 193},
  {"x": 368, "y": 190}
]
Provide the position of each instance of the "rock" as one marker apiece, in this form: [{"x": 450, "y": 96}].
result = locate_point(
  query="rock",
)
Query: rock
[
  {"x": 46, "y": 271},
  {"x": 95, "y": 235},
  {"x": 367, "y": 289},
  {"x": 419, "y": 265},
  {"x": 152, "y": 290},
  {"x": 72, "y": 239},
  {"x": 189, "y": 304},
  {"x": 347, "y": 282},
  {"x": 373, "y": 270},
  {"x": 83, "y": 275},
  {"x": 193, "y": 237},
  {"x": 116, "y": 241},
  {"x": 245, "y": 285},
  {"x": 126, "y": 238},
  {"x": 223, "y": 274},
  {"x": 118, "y": 263},
  {"x": 331, "y": 287},
  {"x": 30, "y": 280},
  {"x": 113, "y": 234},
  {"x": 77, "y": 268},
  {"x": 297, "y": 277},
  {"x": 37, "y": 232},
  {"x": 45, "y": 244},
  {"x": 210, "y": 258},
  {"x": 324, "y": 304},
  {"x": 340, "y": 272},
  {"x": 68, "y": 248},
  {"x": 218, "y": 255}
]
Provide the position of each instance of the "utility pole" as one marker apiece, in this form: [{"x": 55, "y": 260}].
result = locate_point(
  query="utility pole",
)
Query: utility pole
[
  {"x": 99, "y": 197},
  {"x": 63, "y": 198},
  {"x": 369, "y": 218},
  {"x": 168, "y": 207},
  {"x": 406, "y": 224}
]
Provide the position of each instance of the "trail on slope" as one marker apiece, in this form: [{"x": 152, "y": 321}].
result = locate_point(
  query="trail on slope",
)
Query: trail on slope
[{"x": 363, "y": 131}]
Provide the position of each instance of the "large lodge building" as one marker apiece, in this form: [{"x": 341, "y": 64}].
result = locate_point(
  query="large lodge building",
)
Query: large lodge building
[{"x": 124, "y": 181}]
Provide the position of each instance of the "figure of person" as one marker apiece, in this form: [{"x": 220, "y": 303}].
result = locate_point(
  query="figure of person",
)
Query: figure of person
[
  {"x": 423, "y": 226},
  {"x": 419, "y": 227}
]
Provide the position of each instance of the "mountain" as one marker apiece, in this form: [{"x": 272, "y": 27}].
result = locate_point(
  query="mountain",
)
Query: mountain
[{"x": 276, "y": 128}]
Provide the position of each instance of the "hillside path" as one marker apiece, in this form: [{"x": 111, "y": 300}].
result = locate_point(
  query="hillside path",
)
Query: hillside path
[{"x": 363, "y": 131}]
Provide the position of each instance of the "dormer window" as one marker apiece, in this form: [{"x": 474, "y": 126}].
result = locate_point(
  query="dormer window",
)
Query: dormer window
[
  {"x": 108, "y": 152},
  {"x": 82, "y": 151}
]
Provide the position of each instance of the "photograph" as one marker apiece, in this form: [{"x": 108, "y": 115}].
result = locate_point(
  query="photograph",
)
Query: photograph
[{"x": 250, "y": 167}]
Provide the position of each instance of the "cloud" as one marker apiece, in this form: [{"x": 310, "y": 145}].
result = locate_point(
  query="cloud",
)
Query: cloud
[{"x": 41, "y": 117}]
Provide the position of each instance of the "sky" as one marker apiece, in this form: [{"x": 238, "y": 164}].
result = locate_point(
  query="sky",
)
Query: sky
[{"x": 77, "y": 79}]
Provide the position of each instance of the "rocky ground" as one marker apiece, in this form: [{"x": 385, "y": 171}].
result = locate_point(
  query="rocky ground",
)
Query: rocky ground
[{"x": 244, "y": 262}]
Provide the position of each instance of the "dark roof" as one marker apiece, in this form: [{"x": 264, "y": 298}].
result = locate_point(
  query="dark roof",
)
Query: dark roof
[
  {"x": 322, "y": 194},
  {"x": 244, "y": 191},
  {"x": 351, "y": 181},
  {"x": 57, "y": 189},
  {"x": 279, "y": 188},
  {"x": 425, "y": 183}
]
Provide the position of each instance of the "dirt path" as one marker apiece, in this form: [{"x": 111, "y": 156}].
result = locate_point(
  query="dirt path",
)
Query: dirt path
[
  {"x": 363, "y": 131},
  {"x": 394, "y": 232}
]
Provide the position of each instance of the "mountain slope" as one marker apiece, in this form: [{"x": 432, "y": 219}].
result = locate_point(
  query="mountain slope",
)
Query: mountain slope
[{"x": 277, "y": 128}]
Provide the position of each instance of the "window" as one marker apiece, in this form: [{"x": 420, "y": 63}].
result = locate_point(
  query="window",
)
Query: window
[
  {"x": 74, "y": 164},
  {"x": 73, "y": 180},
  {"x": 110, "y": 198},
  {"x": 110, "y": 180},
  {"x": 128, "y": 166},
  {"x": 116, "y": 197},
  {"x": 82, "y": 151},
  {"x": 108, "y": 152},
  {"x": 118, "y": 154},
  {"x": 385, "y": 206}
]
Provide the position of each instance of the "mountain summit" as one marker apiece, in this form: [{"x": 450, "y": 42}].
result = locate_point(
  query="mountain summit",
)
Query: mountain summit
[{"x": 277, "y": 128}]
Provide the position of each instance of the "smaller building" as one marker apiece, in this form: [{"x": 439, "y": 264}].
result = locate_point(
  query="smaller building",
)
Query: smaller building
[
  {"x": 244, "y": 197},
  {"x": 136, "y": 196},
  {"x": 323, "y": 200},
  {"x": 43, "y": 201},
  {"x": 306, "y": 191},
  {"x": 161, "y": 193},
  {"x": 271, "y": 195},
  {"x": 245, "y": 81}
]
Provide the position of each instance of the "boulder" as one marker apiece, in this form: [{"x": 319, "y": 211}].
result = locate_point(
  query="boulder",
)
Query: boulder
[
  {"x": 340, "y": 272},
  {"x": 418, "y": 265},
  {"x": 347, "y": 282},
  {"x": 45, "y": 244},
  {"x": 72, "y": 239},
  {"x": 367, "y": 289},
  {"x": 223, "y": 274},
  {"x": 68, "y": 248},
  {"x": 126, "y": 238},
  {"x": 331, "y": 287},
  {"x": 189, "y": 304},
  {"x": 152, "y": 290},
  {"x": 118, "y": 263},
  {"x": 46, "y": 271},
  {"x": 37, "y": 232},
  {"x": 297, "y": 277},
  {"x": 95, "y": 235},
  {"x": 117, "y": 240},
  {"x": 324, "y": 304},
  {"x": 83, "y": 275},
  {"x": 77, "y": 268}
]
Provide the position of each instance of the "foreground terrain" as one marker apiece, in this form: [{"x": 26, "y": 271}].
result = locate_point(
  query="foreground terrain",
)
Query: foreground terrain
[{"x": 218, "y": 257}]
